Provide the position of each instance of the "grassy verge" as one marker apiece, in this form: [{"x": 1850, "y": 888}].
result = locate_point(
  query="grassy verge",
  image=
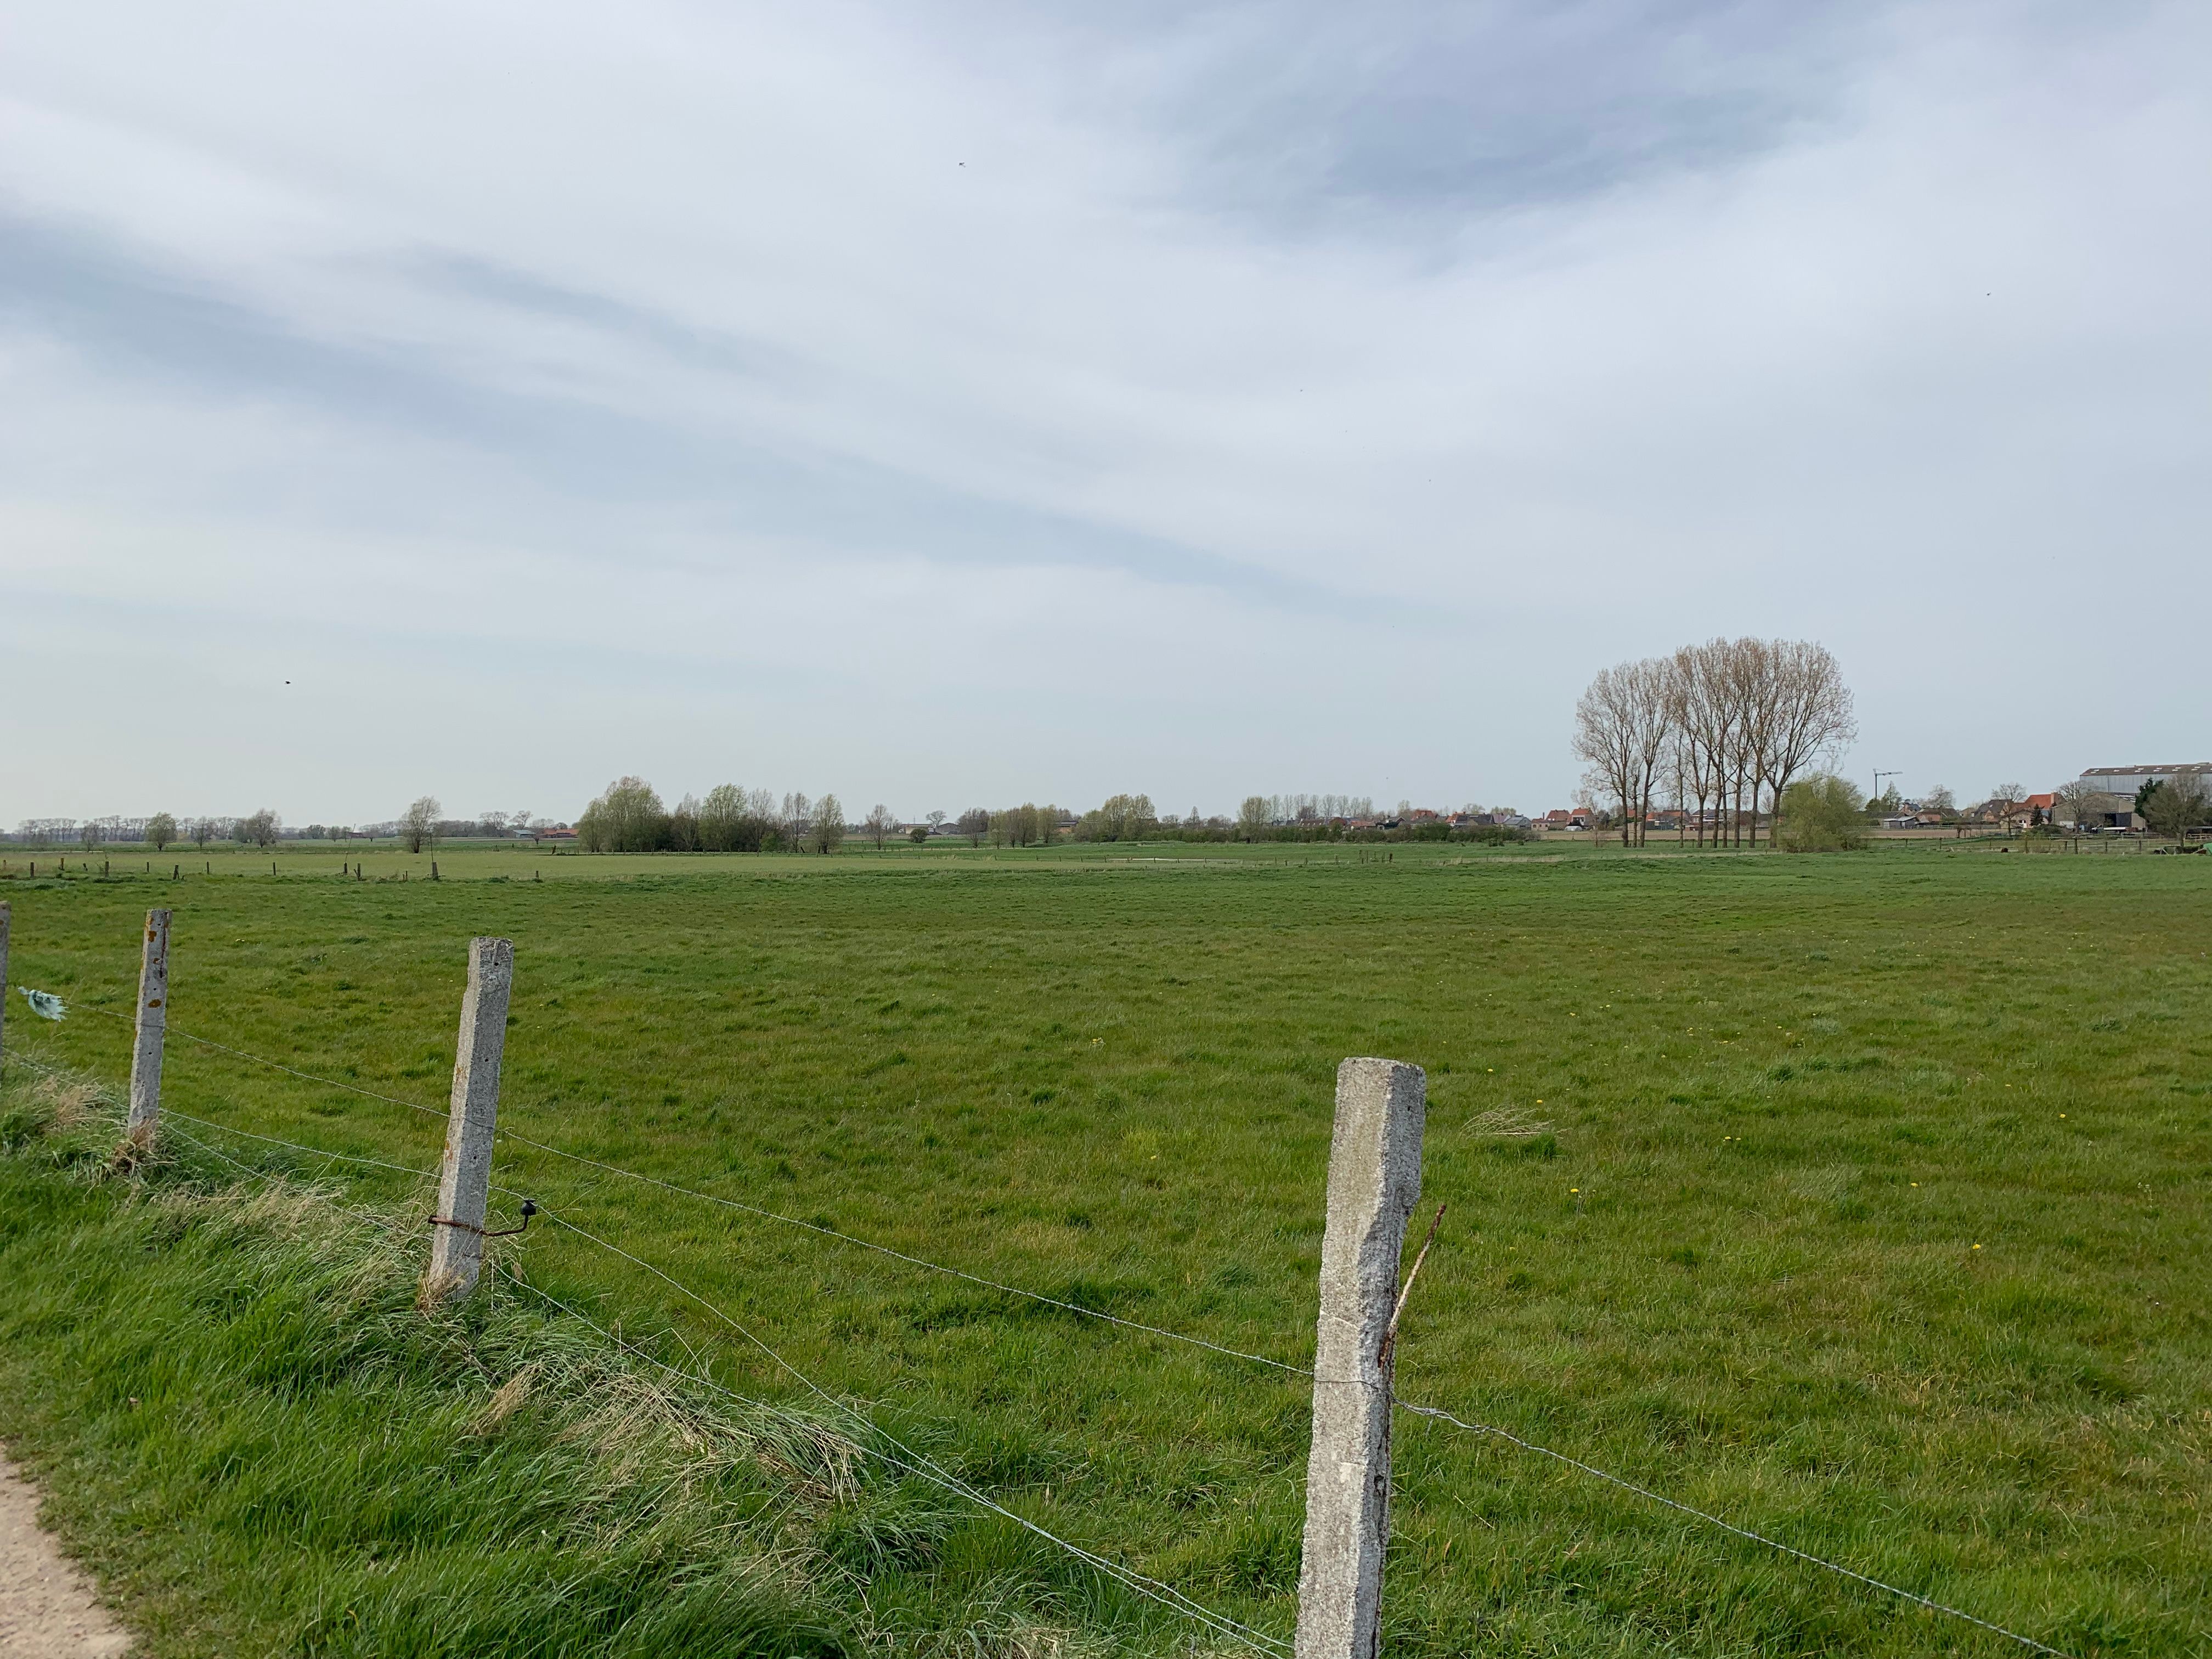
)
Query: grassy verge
[{"x": 263, "y": 1445}]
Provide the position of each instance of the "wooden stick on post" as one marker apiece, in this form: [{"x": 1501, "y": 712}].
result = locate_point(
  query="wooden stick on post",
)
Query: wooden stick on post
[
  {"x": 465, "y": 1182},
  {"x": 1374, "y": 1181},
  {"x": 153, "y": 1026}
]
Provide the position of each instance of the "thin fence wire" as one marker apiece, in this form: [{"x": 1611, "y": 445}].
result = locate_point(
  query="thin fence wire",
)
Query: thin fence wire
[
  {"x": 912, "y": 1260},
  {"x": 168, "y": 1112},
  {"x": 274, "y": 1066},
  {"x": 929, "y": 1469},
  {"x": 1727, "y": 1526},
  {"x": 506, "y": 1133},
  {"x": 1415, "y": 1409},
  {"x": 383, "y": 1224},
  {"x": 909, "y": 1462}
]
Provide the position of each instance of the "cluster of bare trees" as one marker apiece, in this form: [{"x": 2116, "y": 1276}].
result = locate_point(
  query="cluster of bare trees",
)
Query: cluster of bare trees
[
  {"x": 159, "y": 831},
  {"x": 1026, "y": 825},
  {"x": 628, "y": 816},
  {"x": 1716, "y": 732}
]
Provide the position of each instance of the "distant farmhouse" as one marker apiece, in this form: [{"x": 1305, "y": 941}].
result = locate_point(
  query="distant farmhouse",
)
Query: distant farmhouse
[{"x": 2118, "y": 785}]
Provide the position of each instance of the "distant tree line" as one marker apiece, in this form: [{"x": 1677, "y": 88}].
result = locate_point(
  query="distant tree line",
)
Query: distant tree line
[
  {"x": 1717, "y": 731},
  {"x": 420, "y": 825},
  {"x": 628, "y": 816}
]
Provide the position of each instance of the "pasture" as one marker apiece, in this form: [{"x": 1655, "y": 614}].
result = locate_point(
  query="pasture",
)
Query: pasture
[{"x": 1860, "y": 1200}]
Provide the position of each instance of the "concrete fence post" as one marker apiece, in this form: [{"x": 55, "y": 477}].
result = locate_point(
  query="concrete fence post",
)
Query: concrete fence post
[
  {"x": 1374, "y": 1181},
  {"x": 153, "y": 1026},
  {"x": 464, "y": 1180}
]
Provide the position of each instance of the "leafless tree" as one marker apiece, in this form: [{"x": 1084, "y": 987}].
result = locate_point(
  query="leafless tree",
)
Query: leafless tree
[
  {"x": 828, "y": 824},
  {"x": 1724, "y": 726},
  {"x": 1621, "y": 725},
  {"x": 418, "y": 824},
  {"x": 683, "y": 825},
  {"x": 1604, "y": 736},
  {"x": 797, "y": 823},
  {"x": 2080, "y": 802},
  {"x": 1706, "y": 716},
  {"x": 881, "y": 824},
  {"x": 1803, "y": 714}
]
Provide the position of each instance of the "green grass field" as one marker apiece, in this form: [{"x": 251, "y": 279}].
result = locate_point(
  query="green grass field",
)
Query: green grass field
[{"x": 1860, "y": 1199}]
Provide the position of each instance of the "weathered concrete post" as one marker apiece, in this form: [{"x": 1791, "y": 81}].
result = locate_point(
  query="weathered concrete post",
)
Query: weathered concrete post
[
  {"x": 153, "y": 1026},
  {"x": 465, "y": 1182},
  {"x": 1374, "y": 1181}
]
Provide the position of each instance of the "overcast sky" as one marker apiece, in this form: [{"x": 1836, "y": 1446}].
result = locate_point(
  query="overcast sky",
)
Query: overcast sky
[{"x": 968, "y": 402}]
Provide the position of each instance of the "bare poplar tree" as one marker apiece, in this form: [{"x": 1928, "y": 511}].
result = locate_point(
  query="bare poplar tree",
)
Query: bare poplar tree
[
  {"x": 1603, "y": 737},
  {"x": 418, "y": 824},
  {"x": 1651, "y": 704},
  {"x": 1805, "y": 713},
  {"x": 828, "y": 824},
  {"x": 1707, "y": 717},
  {"x": 1622, "y": 726},
  {"x": 798, "y": 822},
  {"x": 880, "y": 823}
]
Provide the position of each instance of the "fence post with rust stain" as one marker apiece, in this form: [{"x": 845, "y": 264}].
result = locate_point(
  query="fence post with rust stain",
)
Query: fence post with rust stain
[
  {"x": 464, "y": 1180},
  {"x": 1374, "y": 1181},
  {"x": 153, "y": 1026}
]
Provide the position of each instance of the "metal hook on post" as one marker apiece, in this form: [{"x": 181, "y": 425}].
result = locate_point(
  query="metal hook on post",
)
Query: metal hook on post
[{"x": 529, "y": 1209}]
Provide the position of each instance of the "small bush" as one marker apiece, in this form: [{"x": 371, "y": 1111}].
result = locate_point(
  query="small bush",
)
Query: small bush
[{"x": 1820, "y": 814}]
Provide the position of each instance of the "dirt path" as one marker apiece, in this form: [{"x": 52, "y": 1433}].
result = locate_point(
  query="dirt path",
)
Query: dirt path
[{"x": 47, "y": 1608}]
